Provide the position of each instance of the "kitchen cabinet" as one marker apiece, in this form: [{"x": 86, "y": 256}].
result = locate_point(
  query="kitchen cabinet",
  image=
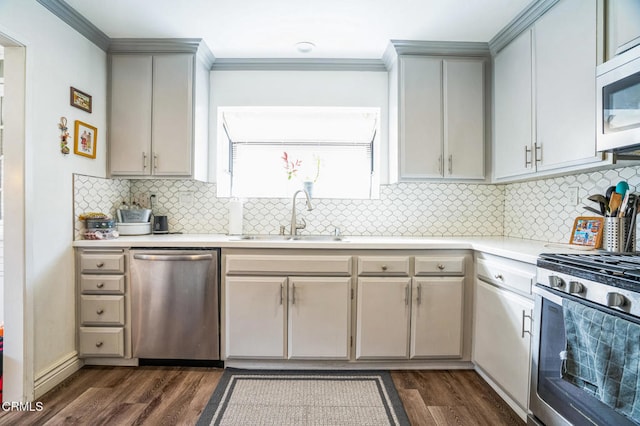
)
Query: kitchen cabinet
[
  {"x": 158, "y": 115},
  {"x": 544, "y": 84},
  {"x": 440, "y": 117},
  {"x": 104, "y": 329},
  {"x": 623, "y": 26},
  {"x": 272, "y": 313},
  {"x": 413, "y": 315},
  {"x": 502, "y": 324}
]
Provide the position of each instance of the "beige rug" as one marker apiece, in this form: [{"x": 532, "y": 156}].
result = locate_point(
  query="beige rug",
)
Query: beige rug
[{"x": 304, "y": 398}]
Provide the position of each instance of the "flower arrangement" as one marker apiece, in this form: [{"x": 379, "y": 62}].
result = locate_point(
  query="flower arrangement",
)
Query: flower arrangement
[{"x": 290, "y": 166}]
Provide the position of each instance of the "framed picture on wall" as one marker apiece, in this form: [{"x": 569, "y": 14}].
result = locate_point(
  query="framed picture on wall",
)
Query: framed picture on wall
[
  {"x": 80, "y": 100},
  {"x": 85, "y": 139}
]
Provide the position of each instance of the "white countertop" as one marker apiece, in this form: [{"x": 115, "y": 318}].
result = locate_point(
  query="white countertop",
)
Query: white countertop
[{"x": 514, "y": 248}]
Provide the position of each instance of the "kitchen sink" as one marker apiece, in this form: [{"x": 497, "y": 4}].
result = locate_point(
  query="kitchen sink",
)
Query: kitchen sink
[{"x": 288, "y": 238}]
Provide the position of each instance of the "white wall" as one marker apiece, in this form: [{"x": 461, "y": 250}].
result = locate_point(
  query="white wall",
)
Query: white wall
[
  {"x": 299, "y": 88},
  {"x": 57, "y": 57}
]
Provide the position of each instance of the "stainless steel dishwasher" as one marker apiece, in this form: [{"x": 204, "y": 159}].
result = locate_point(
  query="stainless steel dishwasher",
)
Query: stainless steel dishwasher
[{"x": 174, "y": 304}]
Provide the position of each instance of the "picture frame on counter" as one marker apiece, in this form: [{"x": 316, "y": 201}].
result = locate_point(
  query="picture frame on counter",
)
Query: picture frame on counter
[
  {"x": 587, "y": 231},
  {"x": 80, "y": 100},
  {"x": 85, "y": 139}
]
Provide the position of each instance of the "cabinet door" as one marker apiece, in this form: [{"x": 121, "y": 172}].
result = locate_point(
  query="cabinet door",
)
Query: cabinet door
[
  {"x": 383, "y": 318},
  {"x": 130, "y": 117},
  {"x": 502, "y": 349},
  {"x": 255, "y": 317},
  {"x": 319, "y": 317},
  {"x": 464, "y": 119},
  {"x": 436, "y": 317},
  {"x": 565, "y": 55},
  {"x": 513, "y": 109},
  {"x": 172, "y": 124},
  {"x": 421, "y": 130}
]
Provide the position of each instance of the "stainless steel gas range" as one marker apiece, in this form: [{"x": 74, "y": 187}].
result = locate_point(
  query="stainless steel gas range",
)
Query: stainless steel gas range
[{"x": 586, "y": 345}]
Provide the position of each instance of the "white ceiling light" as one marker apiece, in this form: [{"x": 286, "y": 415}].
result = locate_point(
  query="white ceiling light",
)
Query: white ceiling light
[{"x": 305, "y": 46}]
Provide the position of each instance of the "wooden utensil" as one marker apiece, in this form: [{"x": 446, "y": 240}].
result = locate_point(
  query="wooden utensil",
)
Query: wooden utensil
[{"x": 614, "y": 204}]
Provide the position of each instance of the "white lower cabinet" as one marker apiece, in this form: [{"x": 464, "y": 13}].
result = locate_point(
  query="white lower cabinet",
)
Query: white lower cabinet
[
  {"x": 319, "y": 317},
  {"x": 287, "y": 317},
  {"x": 383, "y": 318},
  {"x": 436, "y": 317},
  {"x": 400, "y": 318},
  {"x": 255, "y": 317},
  {"x": 502, "y": 347}
]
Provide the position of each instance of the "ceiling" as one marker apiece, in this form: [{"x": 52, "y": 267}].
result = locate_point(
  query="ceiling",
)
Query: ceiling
[{"x": 354, "y": 29}]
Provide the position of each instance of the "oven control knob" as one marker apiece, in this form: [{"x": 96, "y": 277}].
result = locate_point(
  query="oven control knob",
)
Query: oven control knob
[
  {"x": 556, "y": 282},
  {"x": 616, "y": 300},
  {"x": 575, "y": 287}
]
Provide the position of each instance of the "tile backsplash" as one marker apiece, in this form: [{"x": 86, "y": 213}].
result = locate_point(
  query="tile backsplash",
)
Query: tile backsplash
[{"x": 543, "y": 209}]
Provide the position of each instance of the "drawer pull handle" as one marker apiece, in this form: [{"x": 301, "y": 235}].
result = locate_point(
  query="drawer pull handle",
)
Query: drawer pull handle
[
  {"x": 440, "y": 266},
  {"x": 100, "y": 285},
  {"x": 384, "y": 267},
  {"x": 499, "y": 277},
  {"x": 99, "y": 344},
  {"x": 100, "y": 311},
  {"x": 100, "y": 265}
]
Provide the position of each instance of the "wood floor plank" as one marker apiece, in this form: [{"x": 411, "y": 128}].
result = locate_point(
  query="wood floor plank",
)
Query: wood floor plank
[
  {"x": 452, "y": 415},
  {"x": 415, "y": 408}
]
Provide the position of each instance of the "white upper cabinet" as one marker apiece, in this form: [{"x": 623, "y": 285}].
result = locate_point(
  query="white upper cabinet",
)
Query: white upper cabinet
[
  {"x": 544, "y": 99},
  {"x": 155, "y": 127},
  {"x": 437, "y": 122}
]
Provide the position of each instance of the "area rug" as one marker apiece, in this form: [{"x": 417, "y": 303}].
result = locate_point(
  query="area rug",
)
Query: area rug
[{"x": 267, "y": 397}]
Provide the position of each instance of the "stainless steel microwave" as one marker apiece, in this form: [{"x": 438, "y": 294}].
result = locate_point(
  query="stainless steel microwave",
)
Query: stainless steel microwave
[{"x": 618, "y": 102}]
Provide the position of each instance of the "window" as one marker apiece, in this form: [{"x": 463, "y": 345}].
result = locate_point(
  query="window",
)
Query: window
[{"x": 274, "y": 151}]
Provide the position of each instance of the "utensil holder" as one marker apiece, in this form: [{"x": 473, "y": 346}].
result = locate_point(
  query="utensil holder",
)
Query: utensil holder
[{"x": 616, "y": 230}]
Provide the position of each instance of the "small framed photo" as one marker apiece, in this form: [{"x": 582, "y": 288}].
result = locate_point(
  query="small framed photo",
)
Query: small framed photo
[
  {"x": 587, "y": 231},
  {"x": 85, "y": 139},
  {"x": 80, "y": 100}
]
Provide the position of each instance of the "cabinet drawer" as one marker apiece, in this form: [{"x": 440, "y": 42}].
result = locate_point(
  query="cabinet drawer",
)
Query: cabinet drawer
[
  {"x": 383, "y": 265},
  {"x": 449, "y": 265},
  {"x": 508, "y": 276},
  {"x": 241, "y": 264},
  {"x": 102, "y": 262},
  {"x": 102, "y": 310},
  {"x": 101, "y": 342},
  {"x": 102, "y": 284}
]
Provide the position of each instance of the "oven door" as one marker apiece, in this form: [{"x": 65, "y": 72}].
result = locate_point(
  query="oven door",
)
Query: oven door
[{"x": 554, "y": 401}]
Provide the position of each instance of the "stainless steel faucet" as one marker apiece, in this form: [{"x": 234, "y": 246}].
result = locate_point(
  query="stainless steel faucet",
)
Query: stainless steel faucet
[{"x": 294, "y": 222}]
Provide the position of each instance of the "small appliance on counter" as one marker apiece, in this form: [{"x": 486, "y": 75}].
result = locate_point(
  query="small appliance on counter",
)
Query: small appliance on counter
[
  {"x": 160, "y": 225},
  {"x": 134, "y": 221}
]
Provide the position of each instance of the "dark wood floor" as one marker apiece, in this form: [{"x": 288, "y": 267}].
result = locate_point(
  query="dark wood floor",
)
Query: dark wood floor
[{"x": 176, "y": 396}]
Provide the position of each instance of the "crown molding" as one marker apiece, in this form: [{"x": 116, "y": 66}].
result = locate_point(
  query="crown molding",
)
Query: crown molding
[
  {"x": 438, "y": 48},
  {"x": 520, "y": 23},
  {"x": 163, "y": 45},
  {"x": 263, "y": 64},
  {"x": 78, "y": 22}
]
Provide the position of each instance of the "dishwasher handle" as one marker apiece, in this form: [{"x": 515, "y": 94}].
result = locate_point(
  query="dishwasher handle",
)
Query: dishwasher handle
[{"x": 165, "y": 257}]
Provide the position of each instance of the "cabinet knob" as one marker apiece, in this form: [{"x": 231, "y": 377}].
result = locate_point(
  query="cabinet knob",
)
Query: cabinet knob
[
  {"x": 384, "y": 267},
  {"x": 100, "y": 285},
  {"x": 499, "y": 277},
  {"x": 440, "y": 266},
  {"x": 100, "y": 311},
  {"x": 100, "y": 265},
  {"x": 99, "y": 344}
]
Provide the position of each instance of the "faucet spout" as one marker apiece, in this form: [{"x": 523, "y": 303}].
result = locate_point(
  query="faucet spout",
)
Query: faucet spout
[{"x": 294, "y": 222}]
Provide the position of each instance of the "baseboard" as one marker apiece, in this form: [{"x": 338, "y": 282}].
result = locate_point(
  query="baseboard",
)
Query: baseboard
[
  {"x": 56, "y": 373},
  {"x": 505, "y": 396},
  {"x": 347, "y": 365}
]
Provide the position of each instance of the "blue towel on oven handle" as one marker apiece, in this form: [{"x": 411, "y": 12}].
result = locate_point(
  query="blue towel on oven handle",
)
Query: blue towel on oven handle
[{"x": 603, "y": 357}]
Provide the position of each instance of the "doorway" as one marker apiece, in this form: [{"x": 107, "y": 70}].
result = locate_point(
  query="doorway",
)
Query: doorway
[{"x": 15, "y": 313}]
